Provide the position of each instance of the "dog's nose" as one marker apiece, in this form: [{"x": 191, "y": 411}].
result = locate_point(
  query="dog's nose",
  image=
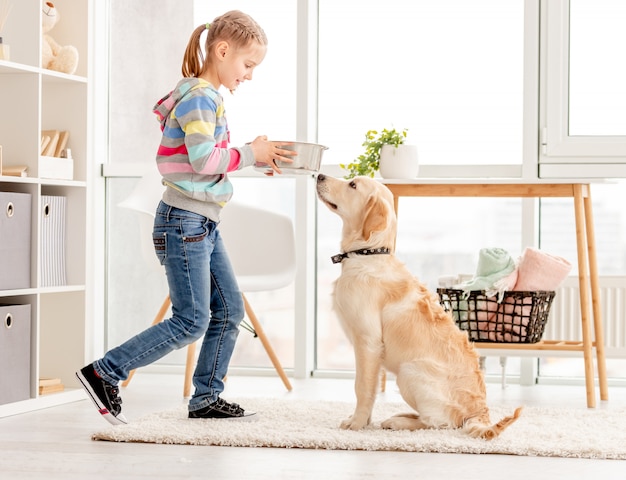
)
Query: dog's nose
[{"x": 320, "y": 177}]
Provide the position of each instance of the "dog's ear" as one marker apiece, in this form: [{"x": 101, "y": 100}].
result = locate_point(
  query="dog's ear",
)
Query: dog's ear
[{"x": 375, "y": 217}]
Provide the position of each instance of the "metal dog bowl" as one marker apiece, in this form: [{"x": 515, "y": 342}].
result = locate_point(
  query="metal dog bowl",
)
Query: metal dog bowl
[{"x": 307, "y": 160}]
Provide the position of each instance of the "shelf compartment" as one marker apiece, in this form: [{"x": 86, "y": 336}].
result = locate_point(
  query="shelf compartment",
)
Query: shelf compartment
[{"x": 62, "y": 324}]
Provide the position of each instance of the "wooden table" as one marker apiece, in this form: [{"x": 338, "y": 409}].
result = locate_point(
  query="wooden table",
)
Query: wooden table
[{"x": 587, "y": 260}]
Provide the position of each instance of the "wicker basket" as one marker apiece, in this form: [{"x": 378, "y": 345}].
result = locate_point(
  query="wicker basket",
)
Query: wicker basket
[{"x": 519, "y": 318}]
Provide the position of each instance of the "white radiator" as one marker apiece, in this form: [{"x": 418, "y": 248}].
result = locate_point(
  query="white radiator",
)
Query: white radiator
[{"x": 564, "y": 320}]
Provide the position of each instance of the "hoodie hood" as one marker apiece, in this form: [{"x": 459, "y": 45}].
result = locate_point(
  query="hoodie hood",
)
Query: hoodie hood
[{"x": 164, "y": 107}]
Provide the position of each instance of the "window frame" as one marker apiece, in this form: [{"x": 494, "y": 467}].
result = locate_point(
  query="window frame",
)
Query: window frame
[{"x": 562, "y": 155}]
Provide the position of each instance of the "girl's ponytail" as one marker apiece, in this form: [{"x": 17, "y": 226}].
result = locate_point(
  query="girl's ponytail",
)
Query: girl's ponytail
[{"x": 193, "y": 61}]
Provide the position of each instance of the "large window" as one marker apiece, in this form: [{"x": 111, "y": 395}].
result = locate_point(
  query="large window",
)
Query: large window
[
  {"x": 439, "y": 237},
  {"x": 585, "y": 136}
]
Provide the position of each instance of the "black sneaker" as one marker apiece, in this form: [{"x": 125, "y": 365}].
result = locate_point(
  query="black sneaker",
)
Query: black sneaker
[
  {"x": 220, "y": 409},
  {"x": 103, "y": 394}
]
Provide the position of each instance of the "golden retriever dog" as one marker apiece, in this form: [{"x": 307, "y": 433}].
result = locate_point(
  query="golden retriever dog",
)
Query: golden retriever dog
[{"x": 394, "y": 322}]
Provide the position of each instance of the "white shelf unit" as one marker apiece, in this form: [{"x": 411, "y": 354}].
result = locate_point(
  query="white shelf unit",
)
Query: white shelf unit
[{"x": 33, "y": 99}]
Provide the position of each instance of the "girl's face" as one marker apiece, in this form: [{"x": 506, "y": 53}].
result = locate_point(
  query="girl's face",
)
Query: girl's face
[{"x": 237, "y": 65}]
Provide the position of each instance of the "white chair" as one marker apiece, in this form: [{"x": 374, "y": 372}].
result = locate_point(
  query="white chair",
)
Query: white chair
[{"x": 261, "y": 246}]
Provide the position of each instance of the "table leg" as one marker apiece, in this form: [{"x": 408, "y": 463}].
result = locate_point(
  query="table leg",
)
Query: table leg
[
  {"x": 595, "y": 298},
  {"x": 583, "y": 276}
]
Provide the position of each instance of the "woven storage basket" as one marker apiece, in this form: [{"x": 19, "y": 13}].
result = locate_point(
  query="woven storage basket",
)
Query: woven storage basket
[{"x": 519, "y": 318}]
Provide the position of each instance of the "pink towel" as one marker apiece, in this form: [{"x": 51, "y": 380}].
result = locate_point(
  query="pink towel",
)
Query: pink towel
[{"x": 538, "y": 270}]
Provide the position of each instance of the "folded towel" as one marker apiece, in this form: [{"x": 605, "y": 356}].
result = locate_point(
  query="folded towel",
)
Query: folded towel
[
  {"x": 538, "y": 270},
  {"x": 493, "y": 265}
]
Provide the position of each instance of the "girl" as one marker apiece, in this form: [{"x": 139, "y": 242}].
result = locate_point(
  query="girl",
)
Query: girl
[{"x": 194, "y": 160}]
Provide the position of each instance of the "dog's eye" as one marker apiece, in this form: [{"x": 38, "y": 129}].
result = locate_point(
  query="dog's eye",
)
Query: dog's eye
[{"x": 352, "y": 184}]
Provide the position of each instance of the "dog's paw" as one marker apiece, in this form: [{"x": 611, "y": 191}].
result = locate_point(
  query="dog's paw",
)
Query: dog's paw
[
  {"x": 390, "y": 424},
  {"x": 403, "y": 421},
  {"x": 354, "y": 423}
]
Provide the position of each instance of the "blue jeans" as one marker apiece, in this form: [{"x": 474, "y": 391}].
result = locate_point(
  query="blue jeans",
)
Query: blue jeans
[{"x": 206, "y": 302}]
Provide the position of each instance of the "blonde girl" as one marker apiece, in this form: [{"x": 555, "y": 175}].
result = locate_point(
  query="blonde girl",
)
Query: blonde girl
[{"x": 194, "y": 160}]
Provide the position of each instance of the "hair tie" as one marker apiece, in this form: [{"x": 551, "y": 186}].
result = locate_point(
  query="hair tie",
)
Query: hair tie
[{"x": 208, "y": 25}]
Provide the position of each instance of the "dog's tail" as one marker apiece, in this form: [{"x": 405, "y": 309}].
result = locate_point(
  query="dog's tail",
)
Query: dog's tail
[{"x": 476, "y": 428}]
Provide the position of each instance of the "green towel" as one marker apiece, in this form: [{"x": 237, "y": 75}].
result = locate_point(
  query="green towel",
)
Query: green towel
[{"x": 493, "y": 264}]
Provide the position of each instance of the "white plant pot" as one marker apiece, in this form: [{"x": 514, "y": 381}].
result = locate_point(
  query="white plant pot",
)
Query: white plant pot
[{"x": 398, "y": 162}]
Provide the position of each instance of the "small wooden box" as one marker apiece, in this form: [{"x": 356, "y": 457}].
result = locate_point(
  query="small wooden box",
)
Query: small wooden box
[{"x": 56, "y": 168}]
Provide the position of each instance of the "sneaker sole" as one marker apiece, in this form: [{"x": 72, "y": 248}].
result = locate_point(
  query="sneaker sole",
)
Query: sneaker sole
[
  {"x": 250, "y": 417},
  {"x": 106, "y": 414}
]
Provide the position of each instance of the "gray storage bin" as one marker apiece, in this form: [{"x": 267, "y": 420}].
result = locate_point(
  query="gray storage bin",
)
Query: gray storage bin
[
  {"x": 14, "y": 353},
  {"x": 15, "y": 240}
]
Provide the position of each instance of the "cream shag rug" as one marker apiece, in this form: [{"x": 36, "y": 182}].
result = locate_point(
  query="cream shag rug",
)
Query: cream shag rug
[{"x": 549, "y": 432}]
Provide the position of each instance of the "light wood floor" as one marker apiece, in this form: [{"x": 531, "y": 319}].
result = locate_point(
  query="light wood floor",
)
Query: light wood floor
[{"x": 55, "y": 443}]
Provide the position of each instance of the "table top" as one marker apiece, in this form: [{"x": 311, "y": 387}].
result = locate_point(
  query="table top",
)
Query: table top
[
  {"x": 486, "y": 181},
  {"x": 493, "y": 189}
]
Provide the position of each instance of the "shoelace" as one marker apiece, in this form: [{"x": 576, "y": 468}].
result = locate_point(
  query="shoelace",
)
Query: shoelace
[{"x": 233, "y": 408}]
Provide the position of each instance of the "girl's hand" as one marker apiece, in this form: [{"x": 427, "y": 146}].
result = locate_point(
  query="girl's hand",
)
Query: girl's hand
[{"x": 268, "y": 153}]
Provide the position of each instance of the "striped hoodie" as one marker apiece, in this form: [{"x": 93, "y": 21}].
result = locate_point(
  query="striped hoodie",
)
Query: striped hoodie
[{"x": 193, "y": 157}]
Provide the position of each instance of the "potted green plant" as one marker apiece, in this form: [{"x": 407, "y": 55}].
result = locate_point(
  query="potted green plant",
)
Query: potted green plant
[{"x": 385, "y": 143}]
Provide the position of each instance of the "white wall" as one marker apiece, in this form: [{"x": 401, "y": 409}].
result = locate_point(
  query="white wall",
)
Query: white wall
[{"x": 147, "y": 41}]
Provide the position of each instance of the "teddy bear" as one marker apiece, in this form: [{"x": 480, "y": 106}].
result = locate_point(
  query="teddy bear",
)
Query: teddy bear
[{"x": 61, "y": 58}]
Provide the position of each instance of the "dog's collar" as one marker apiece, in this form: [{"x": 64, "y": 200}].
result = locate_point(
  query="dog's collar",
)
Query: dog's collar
[{"x": 363, "y": 251}]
